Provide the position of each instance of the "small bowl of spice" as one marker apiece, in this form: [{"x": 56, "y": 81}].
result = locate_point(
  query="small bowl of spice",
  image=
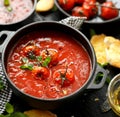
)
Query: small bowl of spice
[
  {"x": 15, "y": 11},
  {"x": 114, "y": 94}
]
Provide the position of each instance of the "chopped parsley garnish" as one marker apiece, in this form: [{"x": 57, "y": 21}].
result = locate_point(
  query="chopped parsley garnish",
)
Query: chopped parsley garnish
[
  {"x": 7, "y": 4},
  {"x": 46, "y": 61},
  {"x": 38, "y": 59},
  {"x": 26, "y": 64}
]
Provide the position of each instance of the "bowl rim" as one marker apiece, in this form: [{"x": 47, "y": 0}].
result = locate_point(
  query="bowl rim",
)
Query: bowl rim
[
  {"x": 34, "y": 2},
  {"x": 110, "y": 86}
]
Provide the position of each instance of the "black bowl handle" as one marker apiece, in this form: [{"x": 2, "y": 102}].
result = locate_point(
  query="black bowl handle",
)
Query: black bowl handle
[
  {"x": 4, "y": 37},
  {"x": 93, "y": 84}
]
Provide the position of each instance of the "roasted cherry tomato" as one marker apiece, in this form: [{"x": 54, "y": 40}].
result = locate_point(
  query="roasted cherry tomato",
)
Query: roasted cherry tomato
[
  {"x": 108, "y": 13},
  {"x": 66, "y": 4},
  {"x": 64, "y": 77},
  {"x": 40, "y": 72},
  {"x": 31, "y": 50},
  {"x": 52, "y": 53},
  {"x": 80, "y": 11},
  {"x": 79, "y": 1},
  {"x": 91, "y": 8}
]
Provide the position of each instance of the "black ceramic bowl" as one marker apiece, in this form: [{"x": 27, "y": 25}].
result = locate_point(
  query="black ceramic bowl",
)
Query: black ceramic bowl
[
  {"x": 13, "y": 38},
  {"x": 96, "y": 20},
  {"x": 28, "y": 15}
]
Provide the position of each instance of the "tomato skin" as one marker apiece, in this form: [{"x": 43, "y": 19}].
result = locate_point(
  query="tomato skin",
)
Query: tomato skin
[
  {"x": 80, "y": 11},
  {"x": 91, "y": 8},
  {"x": 66, "y": 4},
  {"x": 31, "y": 49},
  {"x": 40, "y": 73},
  {"x": 53, "y": 54},
  {"x": 79, "y": 1},
  {"x": 108, "y": 13},
  {"x": 69, "y": 77}
]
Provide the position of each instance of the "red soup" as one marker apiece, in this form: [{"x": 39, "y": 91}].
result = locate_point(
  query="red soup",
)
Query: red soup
[{"x": 45, "y": 64}]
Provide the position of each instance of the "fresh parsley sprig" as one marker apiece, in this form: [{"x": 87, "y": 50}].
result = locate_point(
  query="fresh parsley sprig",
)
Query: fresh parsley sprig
[
  {"x": 26, "y": 65},
  {"x": 10, "y": 112},
  {"x": 40, "y": 61}
]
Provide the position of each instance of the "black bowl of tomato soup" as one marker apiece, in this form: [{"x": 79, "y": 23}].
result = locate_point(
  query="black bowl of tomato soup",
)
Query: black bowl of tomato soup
[
  {"x": 16, "y": 11},
  {"x": 48, "y": 64}
]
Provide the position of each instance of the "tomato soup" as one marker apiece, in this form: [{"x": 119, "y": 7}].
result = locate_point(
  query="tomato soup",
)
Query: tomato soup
[
  {"x": 15, "y": 11},
  {"x": 48, "y": 64}
]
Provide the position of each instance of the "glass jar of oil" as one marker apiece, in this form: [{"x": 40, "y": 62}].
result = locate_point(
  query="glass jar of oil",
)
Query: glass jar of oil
[{"x": 114, "y": 94}]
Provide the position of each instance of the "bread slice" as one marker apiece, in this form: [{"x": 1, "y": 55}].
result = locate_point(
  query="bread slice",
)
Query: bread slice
[
  {"x": 39, "y": 113},
  {"x": 112, "y": 51},
  {"x": 99, "y": 46}
]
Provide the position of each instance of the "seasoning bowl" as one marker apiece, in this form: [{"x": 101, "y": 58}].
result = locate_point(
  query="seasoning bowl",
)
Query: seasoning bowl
[
  {"x": 114, "y": 94},
  {"x": 10, "y": 11}
]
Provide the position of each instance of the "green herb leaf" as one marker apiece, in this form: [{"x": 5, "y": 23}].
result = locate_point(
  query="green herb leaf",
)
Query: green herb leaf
[
  {"x": 9, "y": 108},
  {"x": 10, "y": 112},
  {"x": 108, "y": 80},
  {"x": 92, "y": 32},
  {"x": 18, "y": 114},
  {"x": 1, "y": 84},
  {"x": 6, "y": 2},
  {"x": 9, "y": 8},
  {"x": 3, "y": 115},
  {"x": 25, "y": 60},
  {"x": 39, "y": 58},
  {"x": 103, "y": 65},
  {"x": 27, "y": 66},
  {"x": 46, "y": 61}
]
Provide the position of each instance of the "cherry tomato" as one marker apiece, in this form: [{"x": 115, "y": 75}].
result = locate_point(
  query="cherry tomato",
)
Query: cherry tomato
[
  {"x": 63, "y": 77},
  {"x": 91, "y": 8},
  {"x": 79, "y": 1},
  {"x": 52, "y": 53},
  {"x": 66, "y": 4},
  {"x": 80, "y": 11},
  {"x": 108, "y": 13},
  {"x": 31, "y": 50},
  {"x": 40, "y": 72}
]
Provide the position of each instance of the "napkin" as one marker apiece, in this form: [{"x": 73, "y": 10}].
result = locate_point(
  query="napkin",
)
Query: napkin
[
  {"x": 5, "y": 94},
  {"x": 73, "y": 21}
]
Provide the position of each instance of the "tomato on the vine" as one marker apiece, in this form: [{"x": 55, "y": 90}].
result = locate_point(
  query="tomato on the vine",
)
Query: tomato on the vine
[
  {"x": 66, "y": 4},
  {"x": 80, "y": 11},
  {"x": 107, "y": 12},
  {"x": 52, "y": 53},
  {"x": 31, "y": 51},
  {"x": 64, "y": 77},
  {"x": 91, "y": 8},
  {"x": 40, "y": 73}
]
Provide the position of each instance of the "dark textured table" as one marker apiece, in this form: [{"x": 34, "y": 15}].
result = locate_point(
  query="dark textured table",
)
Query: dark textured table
[{"x": 89, "y": 104}]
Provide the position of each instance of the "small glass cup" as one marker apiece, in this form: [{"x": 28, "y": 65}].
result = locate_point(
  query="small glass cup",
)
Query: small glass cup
[{"x": 114, "y": 94}]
